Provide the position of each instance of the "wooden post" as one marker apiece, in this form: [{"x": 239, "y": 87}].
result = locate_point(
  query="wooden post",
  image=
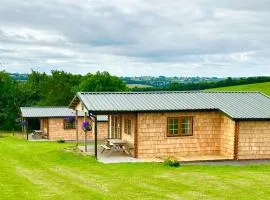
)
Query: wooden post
[
  {"x": 26, "y": 127},
  {"x": 13, "y": 132},
  {"x": 236, "y": 138},
  {"x": 85, "y": 141},
  {"x": 22, "y": 125},
  {"x": 120, "y": 126},
  {"x": 77, "y": 128},
  {"x": 110, "y": 126},
  {"x": 136, "y": 136}
]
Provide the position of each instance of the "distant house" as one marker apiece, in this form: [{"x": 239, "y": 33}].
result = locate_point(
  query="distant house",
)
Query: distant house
[
  {"x": 221, "y": 125},
  {"x": 60, "y": 122}
]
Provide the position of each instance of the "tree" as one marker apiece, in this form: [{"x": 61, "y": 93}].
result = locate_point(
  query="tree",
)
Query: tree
[
  {"x": 101, "y": 82},
  {"x": 9, "y": 104},
  {"x": 57, "y": 89}
]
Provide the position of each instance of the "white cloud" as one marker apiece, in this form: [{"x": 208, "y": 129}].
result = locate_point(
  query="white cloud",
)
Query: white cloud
[{"x": 136, "y": 37}]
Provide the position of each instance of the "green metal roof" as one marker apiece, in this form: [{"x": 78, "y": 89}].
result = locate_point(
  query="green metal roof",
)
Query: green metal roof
[
  {"x": 39, "y": 112},
  {"x": 238, "y": 105}
]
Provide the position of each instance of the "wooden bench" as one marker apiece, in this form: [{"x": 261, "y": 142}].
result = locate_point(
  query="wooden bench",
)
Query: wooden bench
[
  {"x": 105, "y": 147},
  {"x": 128, "y": 148}
]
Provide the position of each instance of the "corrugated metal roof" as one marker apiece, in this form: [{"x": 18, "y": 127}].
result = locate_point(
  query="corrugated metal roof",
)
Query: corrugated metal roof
[
  {"x": 238, "y": 105},
  {"x": 36, "y": 112}
]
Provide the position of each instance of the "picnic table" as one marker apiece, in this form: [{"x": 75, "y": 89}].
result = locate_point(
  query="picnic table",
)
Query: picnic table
[
  {"x": 114, "y": 145},
  {"x": 39, "y": 134},
  {"x": 116, "y": 142}
]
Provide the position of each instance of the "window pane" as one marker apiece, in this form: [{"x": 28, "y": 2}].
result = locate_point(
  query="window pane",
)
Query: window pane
[
  {"x": 173, "y": 126},
  {"x": 127, "y": 124},
  {"x": 186, "y": 126},
  {"x": 129, "y": 127}
]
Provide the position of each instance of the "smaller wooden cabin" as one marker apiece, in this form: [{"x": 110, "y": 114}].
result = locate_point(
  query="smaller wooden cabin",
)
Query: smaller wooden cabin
[{"x": 61, "y": 122}]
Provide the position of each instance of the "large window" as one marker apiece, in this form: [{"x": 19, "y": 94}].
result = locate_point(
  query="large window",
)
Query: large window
[
  {"x": 127, "y": 126},
  {"x": 69, "y": 125},
  {"x": 180, "y": 126}
]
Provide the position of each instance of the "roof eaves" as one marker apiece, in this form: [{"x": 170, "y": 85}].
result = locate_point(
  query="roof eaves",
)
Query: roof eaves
[
  {"x": 252, "y": 119},
  {"x": 154, "y": 111},
  {"x": 264, "y": 94},
  {"x": 162, "y": 92}
]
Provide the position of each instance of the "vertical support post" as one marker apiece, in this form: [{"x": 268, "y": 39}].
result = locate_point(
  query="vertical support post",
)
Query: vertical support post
[
  {"x": 77, "y": 128},
  {"x": 85, "y": 135},
  {"x": 95, "y": 131},
  {"x": 110, "y": 126},
  {"x": 136, "y": 137},
  {"x": 13, "y": 132},
  {"x": 22, "y": 126},
  {"x": 120, "y": 126},
  {"x": 95, "y": 117},
  {"x": 85, "y": 142},
  {"x": 26, "y": 129},
  {"x": 236, "y": 139}
]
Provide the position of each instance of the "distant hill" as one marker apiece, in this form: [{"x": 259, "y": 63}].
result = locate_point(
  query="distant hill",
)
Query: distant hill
[
  {"x": 262, "y": 87},
  {"x": 163, "y": 81},
  {"x": 138, "y": 86},
  {"x": 19, "y": 77}
]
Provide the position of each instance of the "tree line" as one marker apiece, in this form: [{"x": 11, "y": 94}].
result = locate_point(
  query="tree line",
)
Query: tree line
[
  {"x": 58, "y": 88},
  {"x": 41, "y": 89},
  {"x": 206, "y": 85}
]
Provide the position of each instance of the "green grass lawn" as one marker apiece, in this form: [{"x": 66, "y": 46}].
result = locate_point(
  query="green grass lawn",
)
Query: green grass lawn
[
  {"x": 44, "y": 170},
  {"x": 262, "y": 87}
]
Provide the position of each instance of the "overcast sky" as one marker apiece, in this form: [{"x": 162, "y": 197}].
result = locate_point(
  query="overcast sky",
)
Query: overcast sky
[{"x": 137, "y": 37}]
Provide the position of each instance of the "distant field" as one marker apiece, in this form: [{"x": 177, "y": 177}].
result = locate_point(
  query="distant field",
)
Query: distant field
[
  {"x": 138, "y": 85},
  {"x": 262, "y": 87}
]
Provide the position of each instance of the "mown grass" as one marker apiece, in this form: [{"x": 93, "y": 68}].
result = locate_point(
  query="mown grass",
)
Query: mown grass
[
  {"x": 262, "y": 87},
  {"x": 44, "y": 170}
]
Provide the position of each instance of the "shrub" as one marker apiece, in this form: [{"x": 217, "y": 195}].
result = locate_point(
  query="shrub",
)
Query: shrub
[
  {"x": 172, "y": 162},
  {"x": 61, "y": 141}
]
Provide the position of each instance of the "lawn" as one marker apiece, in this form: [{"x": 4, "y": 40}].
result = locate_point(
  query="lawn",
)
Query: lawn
[
  {"x": 44, "y": 170},
  {"x": 262, "y": 87}
]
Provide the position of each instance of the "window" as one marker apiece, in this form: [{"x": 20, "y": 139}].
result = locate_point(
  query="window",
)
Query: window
[
  {"x": 69, "y": 125},
  {"x": 127, "y": 126},
  {"x": 173, "y": 126},
  {"x": 115, "y": 126},
  {"x": 186, "y": 126},
  {"x": 179, "y": 126}
]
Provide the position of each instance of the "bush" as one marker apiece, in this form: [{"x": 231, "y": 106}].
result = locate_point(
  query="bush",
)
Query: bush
[
  {"x": 172, "y": 162},
  {"x": 61, "y": 141}
]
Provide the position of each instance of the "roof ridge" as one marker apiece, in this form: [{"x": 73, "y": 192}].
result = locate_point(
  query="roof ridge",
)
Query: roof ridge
[{"x": 45, "y": 107}]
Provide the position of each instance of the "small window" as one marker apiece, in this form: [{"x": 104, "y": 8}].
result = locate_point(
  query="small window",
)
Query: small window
[
  {"x": 127, "y": 124},
  {"x": 173, "y": 126},
  {"x": 179, "y": 126},
  {"x": 69, "y": 125},
  {"x": 186, "y": 126}
]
